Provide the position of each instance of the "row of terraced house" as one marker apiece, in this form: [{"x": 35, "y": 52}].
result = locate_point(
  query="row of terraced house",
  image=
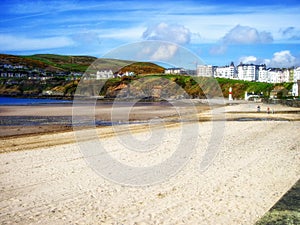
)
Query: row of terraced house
[{"x": 251, "y": 72}]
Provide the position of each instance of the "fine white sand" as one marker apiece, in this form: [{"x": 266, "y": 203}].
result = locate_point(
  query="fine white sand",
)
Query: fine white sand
[{"x": 257, "y": 162}]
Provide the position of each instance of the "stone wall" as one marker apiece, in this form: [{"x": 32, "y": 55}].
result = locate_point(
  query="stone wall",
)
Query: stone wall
[{"x": 288, "y": 102}]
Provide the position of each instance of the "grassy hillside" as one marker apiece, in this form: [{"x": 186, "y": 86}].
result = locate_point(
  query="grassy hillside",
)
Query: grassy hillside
[
  {"x": 141, "y": 68},
  {"x": 190, "y": 85},
  {"x": 51, "y": 62},
  {"x": 78, "y": 63},
  {"x": 239, "y": 87},
  {"x": 27, "y": 61},
  {"x": 109, "y": 64},
  {"x": 67, "y": 63}
]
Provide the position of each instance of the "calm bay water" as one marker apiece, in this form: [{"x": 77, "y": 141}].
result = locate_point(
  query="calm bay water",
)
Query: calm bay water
[
  {"x": 32, "y": 120},
  {"x": 30, "y": 101}
]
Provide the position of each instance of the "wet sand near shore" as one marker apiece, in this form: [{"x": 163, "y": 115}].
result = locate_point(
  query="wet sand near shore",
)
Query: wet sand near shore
[
  {"x": 43, "y": 119},
  {"x": 21, "y": 137},
  {"x": 39, "y": 119}
]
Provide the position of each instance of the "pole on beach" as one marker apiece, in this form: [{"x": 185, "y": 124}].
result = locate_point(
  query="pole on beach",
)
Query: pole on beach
[{"x": 230, "y": 94}]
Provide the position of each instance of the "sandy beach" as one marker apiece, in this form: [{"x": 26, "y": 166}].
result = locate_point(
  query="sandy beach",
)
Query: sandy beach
[{"x": 46, "y": 179}]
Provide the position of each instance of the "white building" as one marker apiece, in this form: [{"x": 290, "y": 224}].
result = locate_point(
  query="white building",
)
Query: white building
[
  {"x": 232, "y": 71},
  {"x": 278, "y": 76},
  {"x": 226, "y": 72},
  {"x": 205, "y": 70},
  {"x": 127, "y": 73},
  {"x": 283, "y": 76},
  {"x": 295, "y": 90},
  {"x": 273, "y": 76},
  {"x": 263, "y": 75},
  {"x": 296, "y": 74},
  {"x": 175, "y": 71},
  {"x": 104, "y": 74},
  {"x": 248, "y": 72},
  {"x": 222, "y": 71}
]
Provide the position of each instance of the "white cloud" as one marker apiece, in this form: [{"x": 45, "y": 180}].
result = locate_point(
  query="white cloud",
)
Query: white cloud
[
  {"x": 146, "y": 50},
  {"x": 241, "y": 35},
  {"x": 165, "y": 32},
  {"x": 247, "y": 35},
  {"x": 251, "y": 59},
  {"x": 13, "y": 43},
  {"x": 164, "y": 52},
  {"x": 168, "y": 32},
  {"x": 282, "y": 59},
  {"x": 157, "y": 50}
]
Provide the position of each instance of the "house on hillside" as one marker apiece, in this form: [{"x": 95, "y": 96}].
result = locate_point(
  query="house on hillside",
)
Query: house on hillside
[
  {"x": 226, "y": 72},
  {"x": 296, "y": 85},
  {"x": 205, "y": 70},
  {"x": 278, "y": 92},
  {"x": 248, "y": 72},
  {"x": 175, "y": 71},
  {"x": 263, "y": 75},
  {"x": 127, "y": 73},
  {"x": 104, "y": 74},
  {"x": 296, "y": 88}
]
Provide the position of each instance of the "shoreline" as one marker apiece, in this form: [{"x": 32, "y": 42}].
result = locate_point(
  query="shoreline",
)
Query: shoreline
[
  {"x": 55, "y": 97},
  {"x": 27, "y": 120},
  {"x": 61, "y": 117}
]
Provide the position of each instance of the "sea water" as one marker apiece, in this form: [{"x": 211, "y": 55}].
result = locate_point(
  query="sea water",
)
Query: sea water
[{"x": 30, "y": 101}]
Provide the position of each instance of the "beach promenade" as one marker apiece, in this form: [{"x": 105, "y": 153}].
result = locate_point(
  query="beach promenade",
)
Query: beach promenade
[{"x": 45, "y": 178}]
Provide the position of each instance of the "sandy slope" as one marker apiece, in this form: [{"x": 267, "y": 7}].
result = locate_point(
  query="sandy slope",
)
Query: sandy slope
[{"x": 257, "y": 163}]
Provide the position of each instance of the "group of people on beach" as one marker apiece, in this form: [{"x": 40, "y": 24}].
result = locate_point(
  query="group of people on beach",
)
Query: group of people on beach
[{"x": 268, "y": 110}]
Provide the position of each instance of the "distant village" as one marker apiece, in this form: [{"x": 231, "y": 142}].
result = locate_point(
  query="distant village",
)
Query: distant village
[
  {"x": 246, "y": 72},
  {"x": 21, "y": 71}
]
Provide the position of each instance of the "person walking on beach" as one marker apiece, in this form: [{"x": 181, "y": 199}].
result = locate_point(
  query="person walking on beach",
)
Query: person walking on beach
[
  {"x": 258, "y": 108},
  {"x": 268, "y": 110}
]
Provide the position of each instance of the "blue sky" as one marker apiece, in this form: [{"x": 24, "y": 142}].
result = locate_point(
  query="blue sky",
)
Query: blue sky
[{"x": 217, "y": 31}]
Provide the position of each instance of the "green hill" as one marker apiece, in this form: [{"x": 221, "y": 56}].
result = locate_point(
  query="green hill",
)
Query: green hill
[
  {"x": 143, "y": 68},
  {"x": 78, "y": 63},
  {"x": 52, "y": 62},
  {"x": 195, "y": 87},
  {"x": 26, "y": 61},
  {"x": 239, "y": 87},
  {"x": 67, "y": 63}
]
